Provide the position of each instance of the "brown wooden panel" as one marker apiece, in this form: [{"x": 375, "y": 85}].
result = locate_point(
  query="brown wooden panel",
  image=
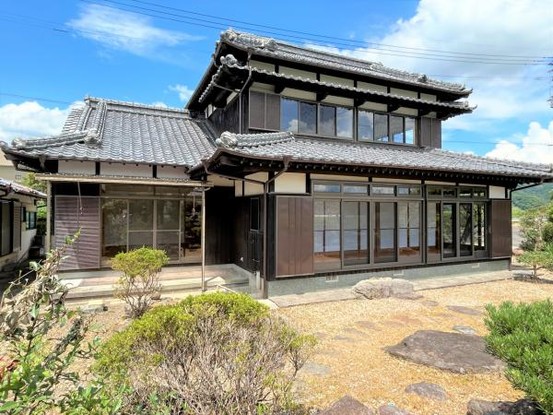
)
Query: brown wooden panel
[
  {"x": 72, "y": 213},
  {"x": 436, "y": 133},
  {"x": 17, "y": 225},
  {"x": 272, "y": 112},
  {"x": 500, "y": 226},
  {"x": 425, "y": 134},
  {"x": 257, "y": 109},
  {"x": 294, "y": 236}
]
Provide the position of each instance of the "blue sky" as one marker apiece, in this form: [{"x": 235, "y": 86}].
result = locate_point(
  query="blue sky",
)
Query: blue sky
[{"x": 155, "y": 52}]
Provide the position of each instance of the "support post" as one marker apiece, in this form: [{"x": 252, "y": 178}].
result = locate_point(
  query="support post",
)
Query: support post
[
  {"x": 48, "y": 242},
  {"x": 204, "y": 288}
]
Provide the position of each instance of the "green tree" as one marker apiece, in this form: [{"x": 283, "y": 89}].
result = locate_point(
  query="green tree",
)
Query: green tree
[{"x": 31, "y": 181}]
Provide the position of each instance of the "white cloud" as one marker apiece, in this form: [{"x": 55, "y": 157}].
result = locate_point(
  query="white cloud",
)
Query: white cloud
[
  {"x": 184, "y": 92},
  {"x": 535, "y": 147},
  {"x": 122, "y": 30},
  {"x": 160, "y": 104},
  {"x": 478, "y": 29},
  {"x": 30, "y": 119}
]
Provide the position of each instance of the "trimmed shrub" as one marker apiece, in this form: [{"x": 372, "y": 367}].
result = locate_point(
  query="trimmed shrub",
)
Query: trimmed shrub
[
  {"x": 214, "y": 353},
  {"x": 522, "y": 336},
  {"x": 139, "y": 283}
]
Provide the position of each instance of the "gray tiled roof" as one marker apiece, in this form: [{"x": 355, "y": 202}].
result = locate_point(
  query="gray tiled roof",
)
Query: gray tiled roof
[
  {"x": 230, "y": 62},
  {"x": 281, "y": 50},
  {"x": 278, "y": 145},
  {"x": 9, "y": 186},
  {"x": 118, "y": 131}
]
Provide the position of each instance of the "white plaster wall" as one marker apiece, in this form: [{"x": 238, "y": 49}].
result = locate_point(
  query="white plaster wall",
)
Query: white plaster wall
[
  {"x": 254, "y": 188},
  {"x": 497, "y": 192},
  {"x": 338, "y": 101},
  {"x": 297, "y": 72},
  {"x": 434, "y": 182},
  {"x": 317, "y": 176},
  {"x": 372, "y": 87},
  {"x": 26, "y": 241},
  {"x": 262, "y": 65},
  {"x": 126, "y": 169},
  {"x": 428, "y": 97},
  {"x": 336, "y": 80},
  {"x": 231, "y": 97},
  {"x": 387, "y": 180},
  {"x": 171, "y": 172},
  {"x": 257, "y": 86},
  {"x": 403, "y": 92},
  {"x": 221, "y": 181},
  {"x": 374, "y": 106},
  {"x": 77, "y": 167},
  {"x": 291, "y": 183},
  {"x": 296, "y": 93},
  {"x": 406, "y": 111},
  {"x": 238, "y": 189}
]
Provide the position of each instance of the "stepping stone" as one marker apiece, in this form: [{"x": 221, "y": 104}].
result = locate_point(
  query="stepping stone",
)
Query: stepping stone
[
  {"x": 455, "y": 352},
  {"x": 520, "y": 407},
  {"x": 390, "y": 409},
  {"x": 430, "y": 303},
  {"x": 366, "y": 325},
  {"x": 465, "y": 330},
  {"x": 343, "y": 338},
  {"x": 464, "y": 310},
  {"x": 347, "y": 406},
  {"x": 93, "y": 307},
  {"x": 427, "y": 390}
]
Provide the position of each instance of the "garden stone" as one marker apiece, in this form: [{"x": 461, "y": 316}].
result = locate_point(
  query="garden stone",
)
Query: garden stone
[
  {"x": 427, "y": 390},
  {"x": 465, "y": 330},
  {"x": 455, "y": 352},
  {"x": 93, "y": 307},
  {"x": 375, "y": 288},
  {"x": 392, "y": 410},
  {"x": 347, "y": 406},
  {"x": 520, "y": 407},
  {"x": 464, "y": 310},
  {"x": 315, "y": 369}
]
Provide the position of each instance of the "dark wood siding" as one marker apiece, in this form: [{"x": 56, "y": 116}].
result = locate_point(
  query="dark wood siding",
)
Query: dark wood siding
[
  {"x": 219, "y": 226},
  {"x": 430, "y": 132},
  {"x": 294, "y": 236},
  {"x": 227, "y": 119},
  {"x": 264, "y": 111},
  {"x": 74, "y": 213},
  {"x": 501, "y": 233},
  {"x": 17, "y": 225}
]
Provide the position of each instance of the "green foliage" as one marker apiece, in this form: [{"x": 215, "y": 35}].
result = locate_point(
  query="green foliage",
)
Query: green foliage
[
  {"x": 33, "y": 362},
  {"x": 522, "y": 336},
  {"x": 533, "y": 197},
  {"x": 140, "y": 281},
  {"x": 536, "y": 227},
  {"x": 31, "y": 181},
  {"x": 213, "y": 353}
]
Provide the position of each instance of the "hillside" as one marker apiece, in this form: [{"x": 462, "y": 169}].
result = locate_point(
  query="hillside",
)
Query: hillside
[{"x": 533, "y": 196}]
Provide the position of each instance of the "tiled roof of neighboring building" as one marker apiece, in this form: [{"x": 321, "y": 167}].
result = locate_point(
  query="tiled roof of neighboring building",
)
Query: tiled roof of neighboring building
[
  {"x": 116, "y": 131},
  {"x": 285, "y": 51},
  {"x": 284, "y": 144},
  {"x": 9, "y": 187}
]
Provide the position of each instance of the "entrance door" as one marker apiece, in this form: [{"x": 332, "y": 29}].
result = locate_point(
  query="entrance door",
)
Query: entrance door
[
  {"x": 355, "y": 232},
  {"x": 449, "y": 219}
]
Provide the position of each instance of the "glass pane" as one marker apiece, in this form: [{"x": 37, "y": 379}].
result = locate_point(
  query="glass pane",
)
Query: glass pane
[
  {"x": 168, "y": 241},
  {"x": 308, "y": 118},
  {"x": 114, "y": 226},
  {"x": 478, "y": 192},
  {"x": 168, "y": 214},
  {"x": 365, "y": 126},
  {"x": 344, "y": 122},
  {"x": 383, "y": 190},
  {"x": 433, "y": 229},
  {"x": 450, "y": 230},
  {"x": 449, "y": 193},
  {"x": 192, "y": 234},
  {"x": 465, "y": 228},
  {"x": 385, "y": 232},
  {"x": 289, "y": 115},
  {"x": 408, "y": 190},
  {"x": 465, "y": 192},
  {"x": 327, "y": 123},
  {"x": 380, "y": 127},
  {"x": 357, "y": 189},
  {"x": 327, "y": 247},
  {"x": 332, "y": 215},
  {"x": 355, "y": 234},
  {"x": 414, "y": 214},
  {"x": 326, "y": 188},
  {"x": 409, "y": 130},
  {"x": 396, "y": 128},
  {"x": 257, "y": 109},
  {"x": 479, "y": 237},
  {"x": 141, "y": 214},
  {"x": 140, "y": 239}
]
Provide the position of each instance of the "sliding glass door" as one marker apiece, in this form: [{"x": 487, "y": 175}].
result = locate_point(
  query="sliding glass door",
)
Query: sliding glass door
[{"x": 355, "y": 232}]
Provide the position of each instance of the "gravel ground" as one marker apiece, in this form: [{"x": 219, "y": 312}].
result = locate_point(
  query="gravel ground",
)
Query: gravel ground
[{"x": 352, "y": 334}]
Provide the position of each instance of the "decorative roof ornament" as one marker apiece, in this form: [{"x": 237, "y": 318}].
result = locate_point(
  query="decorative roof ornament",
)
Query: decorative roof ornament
[
  {"x": 227, "y": 139},
  {"x": 228, "y": 60},
  {"x": 250, "y": 40}
]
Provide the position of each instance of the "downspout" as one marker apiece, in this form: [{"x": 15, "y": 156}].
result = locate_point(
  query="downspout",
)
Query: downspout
[
  {"x": 48, "y": 242},
  {"x": 542, "y": 181},
  {"x": 204, "y": 287},
  {"x": 240, "y": 118},
  {"x": 265, "y": 184}
]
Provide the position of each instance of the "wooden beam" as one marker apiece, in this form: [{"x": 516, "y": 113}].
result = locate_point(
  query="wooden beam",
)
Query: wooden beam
[
  {"x": 321, "y": 95},
  {"x": 279, "y": 88},
  {"x": 359, "y": 101},
  {"x": 393, "y": 107},
  {"x": 424, "y": 112}
]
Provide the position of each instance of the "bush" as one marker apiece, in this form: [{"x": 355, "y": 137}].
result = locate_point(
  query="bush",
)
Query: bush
[
  {"x": 140, "y": 280},
  {"x": 522, "y": 336},
  {"x": 217, "y": 353}
]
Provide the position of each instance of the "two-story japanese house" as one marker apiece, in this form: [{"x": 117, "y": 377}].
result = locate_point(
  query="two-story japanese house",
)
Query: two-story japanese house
[{"x": 309, "y": 169}]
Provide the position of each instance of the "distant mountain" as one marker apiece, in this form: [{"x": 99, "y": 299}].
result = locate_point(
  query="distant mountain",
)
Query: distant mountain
[{"x": 533, "y": 196}]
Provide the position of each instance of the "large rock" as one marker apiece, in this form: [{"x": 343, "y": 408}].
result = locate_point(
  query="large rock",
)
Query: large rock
[
  {"x": 458, "y": 353},
  {"x": 347, "y": 406},
  {"x": 383, "y": 288},
  {"x": 520, "y": 407}
]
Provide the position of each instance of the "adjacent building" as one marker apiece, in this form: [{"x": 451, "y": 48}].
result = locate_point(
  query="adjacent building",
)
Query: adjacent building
[{"x": 309, "y": 169}]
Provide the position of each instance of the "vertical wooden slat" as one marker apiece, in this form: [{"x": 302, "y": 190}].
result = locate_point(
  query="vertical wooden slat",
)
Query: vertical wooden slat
[
  {"x": 501, "y": 230},
  {"x": 17, "y": 225}
]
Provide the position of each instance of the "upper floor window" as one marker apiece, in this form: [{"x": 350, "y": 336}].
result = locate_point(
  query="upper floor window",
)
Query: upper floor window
[{"x": 385, "y": 128}]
